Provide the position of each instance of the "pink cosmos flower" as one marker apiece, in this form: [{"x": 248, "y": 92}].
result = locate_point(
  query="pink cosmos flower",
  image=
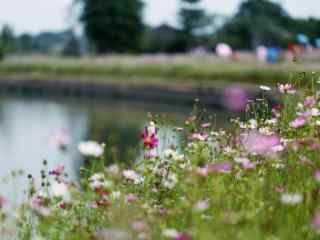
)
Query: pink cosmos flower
[
  {"x": 130, "y": 175},
  {"x": 287, "y": 88},
  {"x": 317, "y": 175},
  {"x": 248, "y": 165},
  {"x": 316, "y": 222},
  {"x": 57, "y": 171},
  {"x": 200, "y": 136},
  {"x": 245, "y": 162},
  {"x": 223, "y": 50},
  {"x": 306, "y": 114},
  {"x": 203, "y": 171},
  {"x": 306, "y": 161},
  {"x": 201, "y": 205},
  {"x": 276, "y": 111},
  {"x": 235, "y": 98},
  {"x": 61, "y": 139},
  {"x": 315, "y": 146},
  {"x": 3, "y": 201},
  {"x": 37, "y": 204},
  {"x": 205, "y": 125},
  {"x": 150, "y": 139},
  {"x": 131, "y": 198},
  {"x": 309, "y": 102},
  {"x": 298, "y": 122},
  {"x": 152, "y": 153},
  {"x": 139, "y": 226},
  {"x": 224, "y": 167},
  {"x": 37, "y": 200},
  {"x": 280, "y": 189},
  {"x": 256, "y": 143}
]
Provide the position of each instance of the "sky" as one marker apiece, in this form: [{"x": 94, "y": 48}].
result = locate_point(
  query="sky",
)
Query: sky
[{"x": 39, "y": 15}]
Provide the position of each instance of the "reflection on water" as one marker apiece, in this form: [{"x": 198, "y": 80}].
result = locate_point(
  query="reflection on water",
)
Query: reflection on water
[{"x": 27, "y": 124}]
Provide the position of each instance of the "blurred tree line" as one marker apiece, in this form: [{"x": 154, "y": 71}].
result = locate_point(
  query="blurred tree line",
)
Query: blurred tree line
[
  {"x": 118, "y": 27},
  {"x": 64, "y": 42}
]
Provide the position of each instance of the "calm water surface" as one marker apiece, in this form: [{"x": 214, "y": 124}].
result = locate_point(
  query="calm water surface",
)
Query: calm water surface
[{"x": 27, "y": 125}]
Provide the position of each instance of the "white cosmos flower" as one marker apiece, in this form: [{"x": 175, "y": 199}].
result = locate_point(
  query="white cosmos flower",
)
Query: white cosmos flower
[
  {"x": 291, "y": 198},
  {"x": 253, "y": 124},
  {"x": 170, "y": 233},
  {"x": 170, "y": 181},
  {"x": 265, "y": 88},
  {"x": 60, "y": 190},
  {"x": 130, "y": 174},
  {"x": 91, "y": 148},
  {"x": 271, "y": 121},
  {"x": 315, "y": 112},
  {"x": 98, "y": 180},
  {"x": 152, "y": 128},
  {"x": 97, "y": 177},
  {"x": 115, "y": 195},
  {"x": 201, "y": 205},
  {"x": 133, "y": 176}
]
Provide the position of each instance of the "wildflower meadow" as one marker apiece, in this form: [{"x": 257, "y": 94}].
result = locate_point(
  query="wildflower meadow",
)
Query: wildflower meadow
[{"x": 257, "y": 179}]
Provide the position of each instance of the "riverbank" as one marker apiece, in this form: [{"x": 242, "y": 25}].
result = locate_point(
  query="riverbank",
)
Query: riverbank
[{"x": 171, "y": 80}]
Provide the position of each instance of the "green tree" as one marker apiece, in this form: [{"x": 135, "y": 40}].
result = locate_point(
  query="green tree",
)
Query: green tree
[
  {"x": 25, "y": 43},
  {"x": 193, "y": 19},
  {"x": 1, "y": 51},
  {"x": 7, "y": 39},
  {"x": 113, "y": 26},
  {"x": 257, "y": 22},
  {"x": 72, "y": 47}
]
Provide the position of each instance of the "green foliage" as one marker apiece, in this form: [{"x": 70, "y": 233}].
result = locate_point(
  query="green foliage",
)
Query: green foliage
[
  {"x": 263, "y": 22},
  {"x": 258, "y": 179},
  {"x": 113, "y": 26},
  {"x": 25, "y": 43},
  {"x": 72, "y": 47},
  {"x": 7, "y": 39},
  {"x": 192, "y": 19},
  {"x": 1, "y": 52},
  {"x": 166, "y": 74},
  {"x": 164, "y": 39}
]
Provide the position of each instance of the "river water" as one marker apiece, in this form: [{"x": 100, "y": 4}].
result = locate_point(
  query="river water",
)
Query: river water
[{"x": 28, "y": 125}]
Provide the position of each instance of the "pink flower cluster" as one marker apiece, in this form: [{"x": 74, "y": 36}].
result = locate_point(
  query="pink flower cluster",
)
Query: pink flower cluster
[
  {"x": 256, "y": 143},
  {"x": 287, "y": 88}
]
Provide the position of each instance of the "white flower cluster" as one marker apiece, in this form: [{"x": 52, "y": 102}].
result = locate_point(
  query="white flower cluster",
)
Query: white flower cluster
[
  {"x": 291, "y": 198},
  {"x": 98, "y": 180},
  {"x": 132, "y": 176},
  {"x": 91, "y": 149}
]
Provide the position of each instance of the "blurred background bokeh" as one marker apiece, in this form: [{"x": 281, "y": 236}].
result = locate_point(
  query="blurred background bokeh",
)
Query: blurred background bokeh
[
  {"x": 81, "y": 27},
  {"x": 95, "y": 69}
]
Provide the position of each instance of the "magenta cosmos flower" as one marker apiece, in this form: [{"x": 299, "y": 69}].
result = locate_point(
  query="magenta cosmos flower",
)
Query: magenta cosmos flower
[
  {"x": 256, "y": 143},
  {"x": 182, "y": 236},
  {"x": 150, "y": 140}
]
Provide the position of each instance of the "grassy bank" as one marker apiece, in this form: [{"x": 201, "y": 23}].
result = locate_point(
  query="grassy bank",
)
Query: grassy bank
[{"x": 193, "y": 71}]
